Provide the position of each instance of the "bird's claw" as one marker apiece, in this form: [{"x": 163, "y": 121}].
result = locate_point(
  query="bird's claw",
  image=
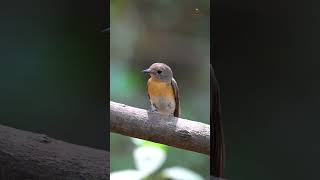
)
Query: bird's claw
[{"x": 152, "y": 110}]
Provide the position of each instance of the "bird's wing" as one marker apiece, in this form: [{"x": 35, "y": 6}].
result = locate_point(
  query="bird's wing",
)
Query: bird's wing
[{"x": 176, "y": 97}]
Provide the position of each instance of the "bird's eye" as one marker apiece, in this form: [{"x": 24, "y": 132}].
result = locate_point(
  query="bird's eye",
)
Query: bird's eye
[{"x": 159, "y": 72}]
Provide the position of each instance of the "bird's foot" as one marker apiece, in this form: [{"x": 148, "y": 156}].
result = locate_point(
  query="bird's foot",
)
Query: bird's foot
[{"x": 152, "y": 110}]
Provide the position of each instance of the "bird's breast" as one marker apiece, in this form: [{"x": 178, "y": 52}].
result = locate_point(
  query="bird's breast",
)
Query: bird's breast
[
  {"x": 157, "y": 88},
  {"x": 161, "y": 96}
]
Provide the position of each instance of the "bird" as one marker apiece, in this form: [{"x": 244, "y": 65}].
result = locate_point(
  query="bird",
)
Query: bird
[{"x": 163, "y": 91}]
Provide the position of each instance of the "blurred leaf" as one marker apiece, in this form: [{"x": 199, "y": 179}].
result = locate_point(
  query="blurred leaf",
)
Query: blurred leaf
[
  {"x": 141, "y": 142},
  {"x": 126, "y": 174},
  {"x": 161, "y": 146},
  {"x": 148, "y": 159},
  {"x": 138, "y": 142},
  {"x": 180, "y": 173}
]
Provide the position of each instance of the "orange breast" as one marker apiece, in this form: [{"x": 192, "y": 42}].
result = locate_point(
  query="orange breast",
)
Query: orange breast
[{"x": 157, "y": 88}]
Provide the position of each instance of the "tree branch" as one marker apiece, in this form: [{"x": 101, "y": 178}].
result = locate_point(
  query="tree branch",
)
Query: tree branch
[
  {"x": 25, "y": 155},
  {"x": 177, "y": 132}
]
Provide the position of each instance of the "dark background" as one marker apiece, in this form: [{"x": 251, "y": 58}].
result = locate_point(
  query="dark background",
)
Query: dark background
[
  {"x": 54, "y": 69},
  {"x": 267, "y": 62}
]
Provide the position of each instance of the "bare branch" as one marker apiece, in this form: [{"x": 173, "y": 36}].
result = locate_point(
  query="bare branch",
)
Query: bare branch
[
  {"x": 172, "y": 131},
  {"x": 25, "y": 155}
]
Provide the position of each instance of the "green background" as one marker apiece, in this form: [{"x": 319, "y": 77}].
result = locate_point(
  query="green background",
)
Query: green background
[{"x": 172, "y": 32}]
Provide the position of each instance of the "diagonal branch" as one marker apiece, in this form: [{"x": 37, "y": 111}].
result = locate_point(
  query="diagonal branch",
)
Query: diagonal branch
[{"x": 177, "y": 132}]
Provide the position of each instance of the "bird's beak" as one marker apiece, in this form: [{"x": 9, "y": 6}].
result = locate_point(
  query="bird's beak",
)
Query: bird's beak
[{"x": 147, "y": 71}]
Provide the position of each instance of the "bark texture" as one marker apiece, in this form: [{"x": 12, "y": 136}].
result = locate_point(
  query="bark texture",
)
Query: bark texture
[
  {"x": 28, "y": 156},
  {"x": 172, "y": 131}
]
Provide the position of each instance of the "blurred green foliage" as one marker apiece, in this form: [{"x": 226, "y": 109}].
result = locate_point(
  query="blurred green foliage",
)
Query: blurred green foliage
[
  {"x": 52, "y": 69},
  {"x": 149, "y": 158},
  {"x": 172, "y": 32}
]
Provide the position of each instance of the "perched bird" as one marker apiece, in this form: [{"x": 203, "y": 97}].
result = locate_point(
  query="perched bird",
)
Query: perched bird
[{"x": 163, "y": 90}]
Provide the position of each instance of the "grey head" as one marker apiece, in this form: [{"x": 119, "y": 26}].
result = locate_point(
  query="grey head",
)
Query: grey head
[{"x": 160, "y": 71}]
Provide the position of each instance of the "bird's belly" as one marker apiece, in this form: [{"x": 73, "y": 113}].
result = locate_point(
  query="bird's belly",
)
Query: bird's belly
[{"x": 163, "y": 104}]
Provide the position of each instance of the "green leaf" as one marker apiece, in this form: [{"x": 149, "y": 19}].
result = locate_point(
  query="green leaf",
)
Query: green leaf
[{"x": 140, "y": 142}]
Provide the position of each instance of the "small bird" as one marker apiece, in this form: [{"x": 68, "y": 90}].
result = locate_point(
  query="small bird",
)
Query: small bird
[{"x": 163, "y": 90}]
